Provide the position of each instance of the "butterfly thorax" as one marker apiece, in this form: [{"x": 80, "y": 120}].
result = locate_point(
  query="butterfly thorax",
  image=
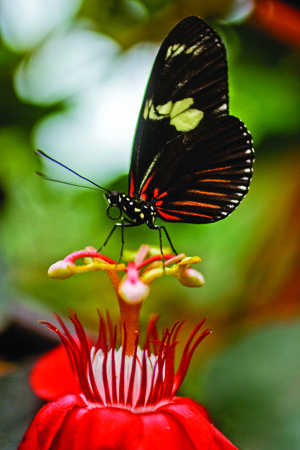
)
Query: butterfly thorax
[{"x": 137, "y": 210}]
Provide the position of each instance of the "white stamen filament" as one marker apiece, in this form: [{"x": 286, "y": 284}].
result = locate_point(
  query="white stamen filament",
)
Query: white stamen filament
[{"x": 98, "y": 358}]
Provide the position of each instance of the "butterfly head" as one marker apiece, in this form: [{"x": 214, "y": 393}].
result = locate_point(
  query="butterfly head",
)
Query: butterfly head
[{"x": 115, "y": 201}]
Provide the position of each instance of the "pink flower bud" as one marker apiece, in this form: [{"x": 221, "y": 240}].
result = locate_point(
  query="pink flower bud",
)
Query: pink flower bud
[{"x": 131, "y": 288}]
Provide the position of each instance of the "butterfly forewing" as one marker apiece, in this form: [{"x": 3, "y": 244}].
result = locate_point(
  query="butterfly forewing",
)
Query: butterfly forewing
[
  {"x": 190, "y": 159},
  {"x": 189, "y": 76}
]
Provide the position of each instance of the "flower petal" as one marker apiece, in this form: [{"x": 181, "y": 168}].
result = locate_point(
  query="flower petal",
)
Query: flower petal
[
  {"x": 99, "y": 429},
  {"x": 164, "y": 431},
  {"x": 44, "y": 380},
  {"x": 195, "y": 420},
  {"x": 71, "y": 424},
  {"x": 47, "y": 423}
]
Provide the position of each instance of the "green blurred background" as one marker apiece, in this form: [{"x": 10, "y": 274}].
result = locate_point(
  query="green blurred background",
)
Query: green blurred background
[{"x": 72, "y": 78}]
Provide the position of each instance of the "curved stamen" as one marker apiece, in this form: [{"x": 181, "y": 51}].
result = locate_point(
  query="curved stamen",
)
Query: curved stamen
[{"x": 142, "y": 380}]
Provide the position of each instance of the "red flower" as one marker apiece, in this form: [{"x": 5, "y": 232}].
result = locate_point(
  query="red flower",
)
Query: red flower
[{"x": 125, "y": 401}]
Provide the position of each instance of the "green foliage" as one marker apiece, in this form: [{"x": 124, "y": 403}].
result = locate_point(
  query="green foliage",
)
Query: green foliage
[{"x": 253, "y": 389}]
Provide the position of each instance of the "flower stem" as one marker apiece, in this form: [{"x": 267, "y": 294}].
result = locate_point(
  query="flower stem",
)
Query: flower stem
[{"x": 130, "y": 314}]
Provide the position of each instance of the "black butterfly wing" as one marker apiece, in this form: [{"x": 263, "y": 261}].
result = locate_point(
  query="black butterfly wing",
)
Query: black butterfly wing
[
  {"x": 212, "y": 179},
  {"x": 190, "y": 159},
  {"x": 191, "y": 64}
]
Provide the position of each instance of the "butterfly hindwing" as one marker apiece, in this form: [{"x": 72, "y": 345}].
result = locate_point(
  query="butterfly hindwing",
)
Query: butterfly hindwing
[
  {"x": 188, "y": 82},
  {"x": 212, "y": 180}
]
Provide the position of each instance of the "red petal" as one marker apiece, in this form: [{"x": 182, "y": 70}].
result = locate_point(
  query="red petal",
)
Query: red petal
[
  {"x": 164, "y": 431},
  {"x": 100, "y": 429},
  {"x": 69, "y": 424},
  {"x": 47, "y": 423},
  {"x": 195, "y": 420},
  {"x": 52, "y": 375}
]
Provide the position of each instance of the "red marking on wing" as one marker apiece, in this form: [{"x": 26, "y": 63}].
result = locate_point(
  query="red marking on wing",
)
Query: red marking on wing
[
  {"x": 131, "y": 189},
  {"x": 196, "y": 191},
  {"x": 167, "y": 216},
  {"x": 202, "y": 205},
  {"x": 184, "y": 213},
  {"x": 217, "y": 169},
  {"x": 144, "y": 193},
  {"x": 163, "y": 194},
  {"x": 215, "y": 181}
]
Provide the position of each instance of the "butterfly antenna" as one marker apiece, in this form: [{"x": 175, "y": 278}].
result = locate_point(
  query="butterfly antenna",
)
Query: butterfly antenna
[
  {"x": 41, "y": 153},
  {"x": 56, "y": 180}
]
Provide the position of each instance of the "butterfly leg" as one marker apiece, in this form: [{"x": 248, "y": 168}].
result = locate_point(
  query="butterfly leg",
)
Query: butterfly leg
[
  {"x": 108, "y": 237},
  {"x": 128, "y": 223},
  {"x": 160, "y": 228}
]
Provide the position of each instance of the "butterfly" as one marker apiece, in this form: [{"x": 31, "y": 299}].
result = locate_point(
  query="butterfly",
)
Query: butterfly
[{"x": 191, "y": 161}]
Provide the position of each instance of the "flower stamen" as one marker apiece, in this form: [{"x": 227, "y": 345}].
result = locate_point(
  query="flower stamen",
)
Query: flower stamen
[{"x": 143, "y": 380}]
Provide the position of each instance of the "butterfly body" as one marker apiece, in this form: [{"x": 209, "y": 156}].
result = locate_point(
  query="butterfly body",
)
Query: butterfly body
[
  {"x": 191, "y": 161},
  {"x": 138, "y": 211}
]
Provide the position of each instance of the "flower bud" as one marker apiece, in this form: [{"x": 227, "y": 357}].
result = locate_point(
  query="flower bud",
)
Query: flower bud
[
  {"x": 61, "y": 270},
  {"x": 190, "y": 277},
  {"x": 131, "y": 288}
]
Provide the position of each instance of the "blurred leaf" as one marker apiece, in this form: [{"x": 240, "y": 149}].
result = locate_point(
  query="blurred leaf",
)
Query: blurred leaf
[
  {"x": 267, "y": 99},
  {"x": 130, "y": 22},
  {"x": 253, "y": 389}
]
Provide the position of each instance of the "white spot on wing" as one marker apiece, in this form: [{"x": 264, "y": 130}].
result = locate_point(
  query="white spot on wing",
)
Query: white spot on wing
[
  {"x": 174, "y": 50},
  {"x": 195, "y": 50},
  {"x": 223, "y": 107}
]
